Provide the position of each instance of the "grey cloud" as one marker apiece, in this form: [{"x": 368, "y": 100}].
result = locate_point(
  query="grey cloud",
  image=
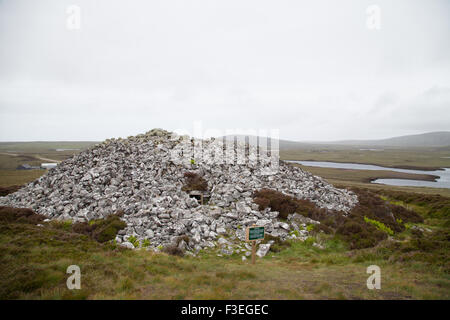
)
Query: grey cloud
[{"x": 311, "y": 69}]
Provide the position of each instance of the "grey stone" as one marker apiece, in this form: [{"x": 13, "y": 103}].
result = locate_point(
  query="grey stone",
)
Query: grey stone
[
  {"x": 284, "y": 225},
  {"x": 262, "y": 250},
  {"x": 227, "y": 252},
  {"x": 299, "y": 219},
  {"x": 149, "y": 233},
  {"x": 144, "y": 175},
  {"x": 196, "y": 237},
  {"x": 232, "y": 215},
  {"x": 127, "y": 244},
  {"x": 263, "y": 222},
  {"x": 221, "y": 230},
  {"x": 182, "y": 245},
  {"x": 222, "y": 241},
  {"x": 318, "y": 245}
]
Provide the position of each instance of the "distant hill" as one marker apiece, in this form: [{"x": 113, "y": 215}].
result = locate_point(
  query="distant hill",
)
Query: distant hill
[{"x": 431, "y": 139}]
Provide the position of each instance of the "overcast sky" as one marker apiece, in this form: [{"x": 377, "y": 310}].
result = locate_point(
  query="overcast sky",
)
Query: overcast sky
[{"x": 312, "y": 69}]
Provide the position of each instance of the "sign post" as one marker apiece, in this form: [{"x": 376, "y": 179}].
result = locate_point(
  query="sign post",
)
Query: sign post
[
  {"x": 253, "y": 251},
  {"x": 253, "y": 234}
]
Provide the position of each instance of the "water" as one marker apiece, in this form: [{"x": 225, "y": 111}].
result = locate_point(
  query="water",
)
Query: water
[{"x": 442, "y": 182}]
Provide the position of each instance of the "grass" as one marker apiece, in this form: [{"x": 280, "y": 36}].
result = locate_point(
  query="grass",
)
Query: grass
[
  {"x": 414, "y": 264},
  {"x": 380, "y": 226},
  {"x": 431, "y": 206},
  {"x": 102, "y": 230},
  {"x": 18, "y": 177},
  {"x": 445, "y": 192},
  {"x": 13, "y": 154},
  {"x": 34, "y": 261},
  {"x": 11, "y": 162},
  {"x": 43, "y": 146}
]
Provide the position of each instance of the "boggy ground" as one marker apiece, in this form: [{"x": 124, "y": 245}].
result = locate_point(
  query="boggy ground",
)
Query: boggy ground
[
  {"x": 431, "y": 158},
  {"x": 414, "y": 264}
]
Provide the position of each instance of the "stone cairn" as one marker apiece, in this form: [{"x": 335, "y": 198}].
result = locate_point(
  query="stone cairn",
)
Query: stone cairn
[{"x": 143, "y": 176}]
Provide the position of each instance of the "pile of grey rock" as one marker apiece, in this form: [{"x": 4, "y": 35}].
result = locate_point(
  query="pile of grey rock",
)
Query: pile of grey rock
[{"x": 144, "y": 175}]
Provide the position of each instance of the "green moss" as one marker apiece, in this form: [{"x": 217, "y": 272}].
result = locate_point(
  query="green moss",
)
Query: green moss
[
  {"x": 295, "y": 232},
  {"x": 379, "y": 225},
  {"x": 66, "y": 225},
  {"x": 431, "y": 205},
  {"x": 309, "y": 241},
  {"x": 134, "y": 241},
  {"x": 146, "y": 243}
]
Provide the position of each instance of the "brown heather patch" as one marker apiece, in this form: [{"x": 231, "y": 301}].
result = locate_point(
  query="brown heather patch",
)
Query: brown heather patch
[
  {"x": 194, "y": 181},
  {"x": 172, "y": 249},
  {"x": 4, "y": 191},
  {"x": 351, "y": 228},
  {"x": 101, "y": 230},
  {"x": 437, "y": 206},
  {"x": 19, "y": 215}
]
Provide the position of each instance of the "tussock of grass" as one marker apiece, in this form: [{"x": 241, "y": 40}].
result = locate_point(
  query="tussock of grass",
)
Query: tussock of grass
[
  {"x": 173, "y": 249},
  {"x": 18, "y": 177},
  {"x": 102, "y": 230}
]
